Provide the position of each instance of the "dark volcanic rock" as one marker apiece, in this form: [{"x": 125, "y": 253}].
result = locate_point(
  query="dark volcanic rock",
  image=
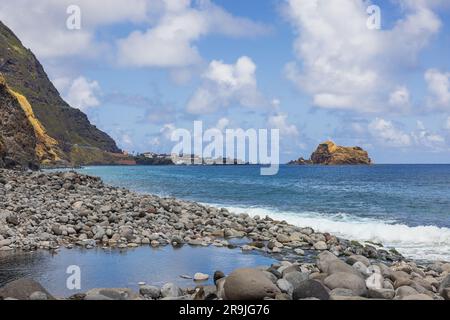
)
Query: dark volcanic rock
[
  {"x": 311, "y": 289},
  {"x": 17, "y": 139}
]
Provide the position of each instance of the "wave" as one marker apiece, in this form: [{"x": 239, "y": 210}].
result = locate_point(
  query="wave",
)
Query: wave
[{"x": 421, "y": 243}]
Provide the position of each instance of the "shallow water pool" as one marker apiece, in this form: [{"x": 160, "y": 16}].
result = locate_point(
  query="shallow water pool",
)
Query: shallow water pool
[{"x": 113, "y": 268}]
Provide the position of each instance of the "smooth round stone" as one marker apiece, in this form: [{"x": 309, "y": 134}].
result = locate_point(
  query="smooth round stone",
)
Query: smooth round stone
[
  {"x": 150, "y": 291},
  {"x": 38, "y": 295},
  {"x": 201, "y": 277}
]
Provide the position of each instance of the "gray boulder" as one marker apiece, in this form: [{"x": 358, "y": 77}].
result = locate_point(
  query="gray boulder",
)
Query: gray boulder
[
  {"x": 375, "y": 281},
  {"x": 444, "y": 286},
  {"x": 285, "y": 286},
  {"x": 171, "y": 290},
  {"x": 340, "y": 292},
  {"x": 22, "y": 289},
  {"x": 386, "y": 294},
  {"x": 347, "y": 281},
  {"x": 296, "y": 278},
  {"x": 311, "y": 289},
  {"x": 358, "y": 258},
  {"x": 270, "y": 276},
  {"x": 330, "y": 264},
  {"x": 405, "y": 291},
  {"x": 249, "y": 284},
  {"x": 111, "y": 293},
  {"x": 38, "y": 296},
  {"x": 419, "y": 296},
  {"x": 150, "y": 292}
]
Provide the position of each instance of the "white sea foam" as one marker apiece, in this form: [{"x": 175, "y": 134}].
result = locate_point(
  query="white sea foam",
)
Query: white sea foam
[{"x": 421, "y": 242}]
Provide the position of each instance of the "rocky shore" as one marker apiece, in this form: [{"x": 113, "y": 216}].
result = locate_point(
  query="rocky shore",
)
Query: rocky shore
[{"x": 52, "y": 210}]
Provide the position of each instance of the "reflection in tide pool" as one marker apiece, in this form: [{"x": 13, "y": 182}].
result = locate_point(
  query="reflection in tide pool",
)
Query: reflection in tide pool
[{"x": 106, "y": 268}]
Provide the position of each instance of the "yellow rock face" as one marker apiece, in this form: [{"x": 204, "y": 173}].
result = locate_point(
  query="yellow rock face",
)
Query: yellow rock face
[
  {"x": 329, "y": 153},
  {"x": 332, "y": 147},
  {"x": 47, "y": 149}
]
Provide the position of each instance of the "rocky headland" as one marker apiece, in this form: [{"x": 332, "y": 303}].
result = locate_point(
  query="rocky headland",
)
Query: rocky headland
[
  {"x": 51, "y": 210},
  {"x": 329, "y": 153},
  {"x": 54, "y": 133}
]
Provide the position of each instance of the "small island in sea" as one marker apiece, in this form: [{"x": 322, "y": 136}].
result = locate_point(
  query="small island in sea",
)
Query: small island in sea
[{"x": 329, "y": 153}]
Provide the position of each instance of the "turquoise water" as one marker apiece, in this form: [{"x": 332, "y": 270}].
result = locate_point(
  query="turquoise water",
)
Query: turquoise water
[{"x": 405, "y": 206}]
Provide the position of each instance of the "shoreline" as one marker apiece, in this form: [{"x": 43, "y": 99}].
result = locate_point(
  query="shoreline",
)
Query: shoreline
[{"x": 49, "y": 210}]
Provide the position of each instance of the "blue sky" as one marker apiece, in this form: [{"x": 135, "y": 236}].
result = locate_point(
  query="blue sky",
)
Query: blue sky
[{"x": 311, "y": 68}]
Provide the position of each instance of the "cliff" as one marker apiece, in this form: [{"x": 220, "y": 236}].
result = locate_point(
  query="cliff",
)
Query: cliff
[
  {"x": 17, "y": 139},
  {"x": 329, "y": 153},
  {"x": 59, "y": 127}
]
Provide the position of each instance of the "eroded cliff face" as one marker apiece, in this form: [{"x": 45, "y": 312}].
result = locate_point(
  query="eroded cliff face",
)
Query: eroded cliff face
[
  {"x": 47, "y": 148},
  {"x": 17, "y": 136},
  {"x": 328, "y": 153},
  {"x": 60, "y": 128}
]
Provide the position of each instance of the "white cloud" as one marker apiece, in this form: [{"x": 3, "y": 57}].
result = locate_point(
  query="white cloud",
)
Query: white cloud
[
  {"x": 438, "y": 89},
  {"x": 167, "y": 130},
  {"x": 41, "y": 25},
  {"x": 171, "y": 42},
  {"x": 346, "y": 66},
  {"x": 224, "y": 84},
  {"x": 222, "y": 124},
  {"x": 400, "y": 97},
  {"x": 422, "y": 137},
  {"x": 79, "y": 93},
  {"x": 275, "y": 103},
  {"x": 280, "y": 121},
  {"x": 173, "y": 28},
  {"x": 385, "y": 132}
]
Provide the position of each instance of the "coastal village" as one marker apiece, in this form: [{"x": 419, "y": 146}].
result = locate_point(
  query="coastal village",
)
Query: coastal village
[{"x": 191, "y": 159}]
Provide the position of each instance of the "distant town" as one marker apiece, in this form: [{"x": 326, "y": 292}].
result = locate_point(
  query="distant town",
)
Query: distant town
[{"x": 151, "y": 158}]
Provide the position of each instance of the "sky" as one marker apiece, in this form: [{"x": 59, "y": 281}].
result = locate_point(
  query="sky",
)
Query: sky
[{"x": 313, "y": 69}]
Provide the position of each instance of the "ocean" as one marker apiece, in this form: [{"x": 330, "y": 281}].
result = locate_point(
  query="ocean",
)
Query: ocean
[{"x": 401, "y": 206}]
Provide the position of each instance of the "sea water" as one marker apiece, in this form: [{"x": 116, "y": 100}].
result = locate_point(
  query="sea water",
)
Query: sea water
[{"x": 401, "y": 206}]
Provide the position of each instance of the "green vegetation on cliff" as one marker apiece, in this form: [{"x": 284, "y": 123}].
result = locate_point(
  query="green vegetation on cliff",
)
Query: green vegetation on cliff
[{"x": 68, "y": 126}]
